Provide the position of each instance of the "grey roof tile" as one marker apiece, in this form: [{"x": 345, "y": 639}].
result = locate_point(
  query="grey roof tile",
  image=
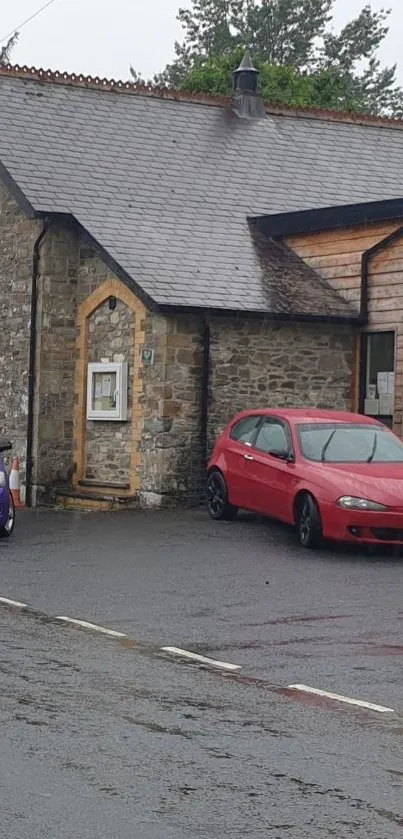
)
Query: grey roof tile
[{"x": 166, "y": 187}]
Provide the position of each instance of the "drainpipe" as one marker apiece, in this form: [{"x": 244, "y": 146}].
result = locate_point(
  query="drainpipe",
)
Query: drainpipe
[
  {"x": 32, "y": 359},
  {"x": 364, "y": 286},
  {"x": 205, "y": 391}
]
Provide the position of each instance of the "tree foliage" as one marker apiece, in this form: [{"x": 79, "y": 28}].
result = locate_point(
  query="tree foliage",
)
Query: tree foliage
[
  {"x": 301, "y": 58},
  {"x": 283, "y": 84},
  {"x": 5, "y": 52}
]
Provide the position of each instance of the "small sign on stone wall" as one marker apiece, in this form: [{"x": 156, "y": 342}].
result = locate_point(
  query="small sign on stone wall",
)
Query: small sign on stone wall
[{"x": 147, "y": 356}]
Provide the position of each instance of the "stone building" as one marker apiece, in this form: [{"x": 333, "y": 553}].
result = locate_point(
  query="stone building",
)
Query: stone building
[{"x": 167, "y": 260}]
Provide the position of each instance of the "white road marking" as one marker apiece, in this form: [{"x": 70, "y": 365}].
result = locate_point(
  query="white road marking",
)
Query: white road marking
[
  {"x": 93, "y": 626},
  {"x": 8, "y": 602},
  {"x": 225, "y": 665},
  {"x": 338, "y": 698}
]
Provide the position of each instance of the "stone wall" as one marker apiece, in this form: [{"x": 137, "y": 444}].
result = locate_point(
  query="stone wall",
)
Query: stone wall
[
  {"x": 253, "y": 363},
  {"x": 267, "y": 364},
  {"x": 172, "y": 404},
  {"x": 57, "y": 295},
  {"x": 91, "y": 271},
  {"x": 17, "y": 239},
  {"x": 108, "y": 444},
  {"x": 70, "y": 271}
]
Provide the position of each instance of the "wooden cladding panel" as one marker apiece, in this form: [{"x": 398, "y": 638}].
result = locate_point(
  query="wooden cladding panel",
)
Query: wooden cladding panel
[
  {"x": 379, "y": 230},
  {"x": 337, "y": 254},
  {"x": 385, "y": 287}
]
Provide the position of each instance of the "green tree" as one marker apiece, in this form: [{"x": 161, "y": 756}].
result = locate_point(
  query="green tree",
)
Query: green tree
[
  {"x": 5, "y": 52},
  {"x": 283, "y": 84},
  {"x": 295, "y": 48}
]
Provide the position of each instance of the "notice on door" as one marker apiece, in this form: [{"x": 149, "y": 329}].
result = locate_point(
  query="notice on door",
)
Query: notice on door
[
  {"x": 382, "y": 382},
  {"x": 106, "y": 385}
]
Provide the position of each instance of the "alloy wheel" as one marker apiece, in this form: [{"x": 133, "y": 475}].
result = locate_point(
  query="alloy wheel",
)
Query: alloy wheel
[
  {"x": 305, "y": 523},
  {"x": 215, "y": 496},
  {"x": 8, "y": 527}
]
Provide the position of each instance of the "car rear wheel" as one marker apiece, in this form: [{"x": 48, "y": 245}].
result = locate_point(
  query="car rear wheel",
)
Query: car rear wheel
[
  {"x": 8, "y": 527},
  {"x": 308, "y": 521},
  {"x": 218, "y": 505}
]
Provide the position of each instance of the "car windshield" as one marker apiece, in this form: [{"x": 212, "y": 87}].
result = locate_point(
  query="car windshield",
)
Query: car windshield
[{"x": 347, "y": 443}]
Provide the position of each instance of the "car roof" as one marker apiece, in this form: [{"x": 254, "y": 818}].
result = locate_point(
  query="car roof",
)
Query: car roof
[{"x": 310, "y": 415}]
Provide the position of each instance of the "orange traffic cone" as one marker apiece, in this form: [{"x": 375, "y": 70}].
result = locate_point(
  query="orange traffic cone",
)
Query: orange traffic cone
[{"x": 14, "y": 483}]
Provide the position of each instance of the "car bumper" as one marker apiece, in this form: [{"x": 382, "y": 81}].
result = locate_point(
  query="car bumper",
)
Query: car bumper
[{"x": 379, "y": 528}]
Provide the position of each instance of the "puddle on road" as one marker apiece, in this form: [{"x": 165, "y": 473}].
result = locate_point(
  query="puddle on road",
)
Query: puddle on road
[
  {"x": 395, "y": 772},
  {"x": 382, "y": 649},
  {"x": 292, "y": 619},
  {"x": 390, "y": 817},
  {"x": 156, "y": 728}
]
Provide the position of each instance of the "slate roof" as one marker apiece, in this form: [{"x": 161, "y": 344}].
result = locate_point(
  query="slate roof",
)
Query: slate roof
[
  {"x": 165, "y": 185},
  {"x": 291, "y": 286}
]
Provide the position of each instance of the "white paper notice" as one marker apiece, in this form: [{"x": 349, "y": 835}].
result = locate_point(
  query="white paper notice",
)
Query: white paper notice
[
  {"x": 371, "y": 392},
  {"x": 386, "y": 404},
  {"x": 391, "y": 382},
  {"x": 371, "y": 407},
  {"x": 98, "y": 390},
  {"x": 382, "y": 382},
  {"x": 106, "y": 386}
]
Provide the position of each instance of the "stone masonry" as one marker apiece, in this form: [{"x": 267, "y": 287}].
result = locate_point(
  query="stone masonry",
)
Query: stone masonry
[
  {"x": 108, "y": 444},
  {"x": 53, "y": 461},
  {"x": 253, "y": 363},
  {"x": 172, "y": 403},
  {"x": 269, "y": 364},
  {"x": 70, "y": 271},
  {"x": 17, "y": 239}
]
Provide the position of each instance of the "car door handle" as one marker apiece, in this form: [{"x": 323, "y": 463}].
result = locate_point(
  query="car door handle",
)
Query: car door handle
[{"x": 248, "y": 457}]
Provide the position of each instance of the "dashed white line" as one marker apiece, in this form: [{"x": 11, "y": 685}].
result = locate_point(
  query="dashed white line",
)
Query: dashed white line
[
  {"x": 93, "y": 626},
  {"x": 225, "y": 665},
  {"x": 339, "y": 698},
  {"x": 8, "y": 602}
]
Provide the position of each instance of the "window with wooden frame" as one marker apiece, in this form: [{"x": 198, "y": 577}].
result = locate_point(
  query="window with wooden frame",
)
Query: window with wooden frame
[{"x": 378, "y": 375}]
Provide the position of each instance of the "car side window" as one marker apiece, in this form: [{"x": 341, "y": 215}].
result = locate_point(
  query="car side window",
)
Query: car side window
[
  {"x": 271, "y": 437},
  {"x": 245, "y": 429}
]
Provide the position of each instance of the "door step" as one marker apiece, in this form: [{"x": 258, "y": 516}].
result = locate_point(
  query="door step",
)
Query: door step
[{"x": 95, "y": 500}]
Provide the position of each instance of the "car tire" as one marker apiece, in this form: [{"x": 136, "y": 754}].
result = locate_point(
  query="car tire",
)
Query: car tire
[
  {"x": 7, "y": 529},
  {"x": 218, "y": 505},
  {"x": 308, "y": 522}
]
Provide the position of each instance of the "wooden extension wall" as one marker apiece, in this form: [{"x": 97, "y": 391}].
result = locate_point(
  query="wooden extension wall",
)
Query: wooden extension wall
[{"x": 336, "y": 255}]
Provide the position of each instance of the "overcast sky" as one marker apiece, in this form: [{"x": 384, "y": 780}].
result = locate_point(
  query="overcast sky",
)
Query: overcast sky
[{"x": 102, "y": 38}]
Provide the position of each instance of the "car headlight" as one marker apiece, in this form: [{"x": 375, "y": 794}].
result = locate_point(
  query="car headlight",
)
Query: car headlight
[
  {"x": 2, "y": 480},
  {"x": 348, "y": 502}
]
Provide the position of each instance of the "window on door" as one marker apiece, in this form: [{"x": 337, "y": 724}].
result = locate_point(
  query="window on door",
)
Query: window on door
[
  {"x": 271, "y": 437},
  {"x": 245, "y": 429},
  {"x": 379, "y": 390}
]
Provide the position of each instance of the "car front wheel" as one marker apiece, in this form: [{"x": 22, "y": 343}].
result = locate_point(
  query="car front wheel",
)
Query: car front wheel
[
  {"x": 308, "y": 521},
  {"x": 218, "y": 505}
]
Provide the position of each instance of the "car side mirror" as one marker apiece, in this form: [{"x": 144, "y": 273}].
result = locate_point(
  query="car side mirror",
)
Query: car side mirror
[{"x": 282, "y": 454}]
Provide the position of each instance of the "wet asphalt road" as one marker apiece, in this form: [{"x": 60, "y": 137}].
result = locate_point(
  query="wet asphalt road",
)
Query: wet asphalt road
[{"x": 102, "y": 737}]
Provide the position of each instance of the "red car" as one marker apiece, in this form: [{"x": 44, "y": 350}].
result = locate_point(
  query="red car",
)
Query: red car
[{"x": 332, "y": 475}]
